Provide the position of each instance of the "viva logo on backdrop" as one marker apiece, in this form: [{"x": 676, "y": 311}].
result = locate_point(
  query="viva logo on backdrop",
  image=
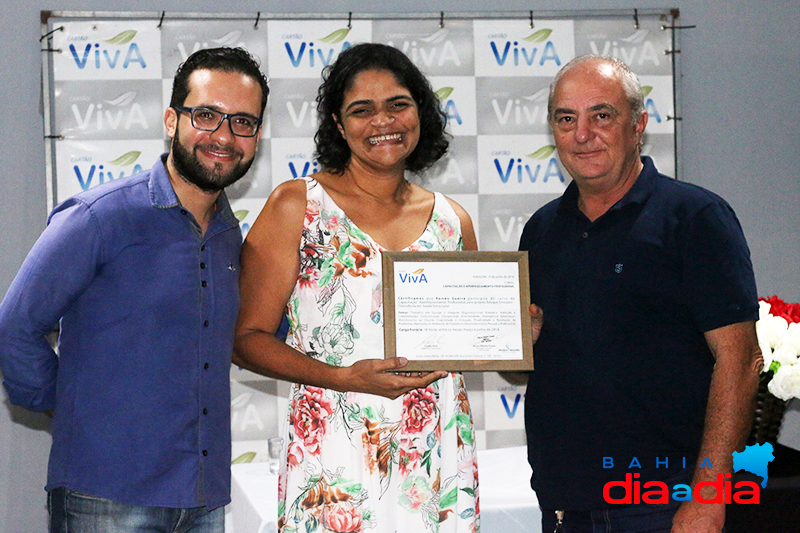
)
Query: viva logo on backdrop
[
  {"x": 316, "y": 55},
  {"x": 539, "y": 165},
  {"x": 122, "y": 112},
  {"x": 231, "y": 39},
  {"x": 301, "y": 165},
  {"x": 90, "y": 174},
  {"x": 534, "y": 49},
  {"x": 634, "y": 50},
  {"x": 118, "y": 52},
  {"x": 526, "y": 110},
  {"x": 434, "y": 50}
]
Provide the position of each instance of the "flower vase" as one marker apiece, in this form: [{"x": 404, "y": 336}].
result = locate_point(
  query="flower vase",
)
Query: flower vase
[{"x": 768, "y": 415}]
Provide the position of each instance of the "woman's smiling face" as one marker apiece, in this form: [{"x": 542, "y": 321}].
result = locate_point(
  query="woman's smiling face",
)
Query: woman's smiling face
[{"x": 379, "y": 121}]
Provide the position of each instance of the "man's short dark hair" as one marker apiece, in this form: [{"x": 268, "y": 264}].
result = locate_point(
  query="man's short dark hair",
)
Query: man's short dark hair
[
  {"x": 225, "y": 59},
  {"x": 332, "y": 150}
]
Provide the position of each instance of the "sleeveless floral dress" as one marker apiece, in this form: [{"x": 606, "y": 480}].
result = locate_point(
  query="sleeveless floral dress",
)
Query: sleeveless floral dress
[{"x": 359, "y": 462}]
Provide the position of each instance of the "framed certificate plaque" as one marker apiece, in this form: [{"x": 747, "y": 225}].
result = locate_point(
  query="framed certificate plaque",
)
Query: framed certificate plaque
[{"x": 457, "y": 311}]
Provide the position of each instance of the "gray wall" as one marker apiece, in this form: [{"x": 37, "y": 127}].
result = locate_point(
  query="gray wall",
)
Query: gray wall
[{"x": 741, "y": 139}]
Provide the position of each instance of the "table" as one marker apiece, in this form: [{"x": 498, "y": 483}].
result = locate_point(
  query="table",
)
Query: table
[{"x": 508, "y": 504}]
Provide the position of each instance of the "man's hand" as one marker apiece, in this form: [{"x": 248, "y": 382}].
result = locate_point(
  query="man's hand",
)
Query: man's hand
[
  {"x": 537, "y": 319},
  {"x": 519, "y": 379}
]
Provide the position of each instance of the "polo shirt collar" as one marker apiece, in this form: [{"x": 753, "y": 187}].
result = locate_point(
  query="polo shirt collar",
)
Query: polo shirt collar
[{"x": 638, "y": 193}]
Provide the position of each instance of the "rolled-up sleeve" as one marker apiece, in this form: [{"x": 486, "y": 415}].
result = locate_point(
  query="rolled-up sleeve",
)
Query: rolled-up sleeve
[{"x": 57, "y": 270}]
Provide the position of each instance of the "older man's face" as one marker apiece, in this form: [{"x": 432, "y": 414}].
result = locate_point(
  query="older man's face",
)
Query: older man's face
[{"x": 592, "y": 124}]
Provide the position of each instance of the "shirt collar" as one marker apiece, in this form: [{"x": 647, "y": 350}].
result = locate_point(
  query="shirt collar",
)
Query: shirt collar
[
  {"x": 162, "y": 195},
  {"x": 161, "y": 192},
  {"x": 639, "y": 192}
]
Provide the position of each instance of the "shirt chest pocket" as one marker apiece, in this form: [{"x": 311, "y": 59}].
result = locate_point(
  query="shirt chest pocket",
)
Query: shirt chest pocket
[{"x": 644, "y": 270}]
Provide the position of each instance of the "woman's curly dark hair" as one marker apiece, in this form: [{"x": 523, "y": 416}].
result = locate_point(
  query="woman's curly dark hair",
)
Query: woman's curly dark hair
[{"x": 332, "y": 151}]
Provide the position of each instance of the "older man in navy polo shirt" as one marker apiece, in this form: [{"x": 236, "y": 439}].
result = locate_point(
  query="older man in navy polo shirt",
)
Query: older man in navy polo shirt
[{"x": 648, "y": 361}]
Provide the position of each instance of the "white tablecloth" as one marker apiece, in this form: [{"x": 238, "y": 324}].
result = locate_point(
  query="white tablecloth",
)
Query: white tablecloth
[
  {"x": 508, "y": 505},
  {"x": 254, "y": 500}
]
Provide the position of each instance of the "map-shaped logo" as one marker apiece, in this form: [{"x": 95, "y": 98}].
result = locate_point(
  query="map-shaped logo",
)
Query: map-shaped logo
[{"x": 755, "y": 459}]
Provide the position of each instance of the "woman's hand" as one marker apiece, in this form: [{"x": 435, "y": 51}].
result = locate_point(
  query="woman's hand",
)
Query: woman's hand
[{"x": 385, "y": 377}]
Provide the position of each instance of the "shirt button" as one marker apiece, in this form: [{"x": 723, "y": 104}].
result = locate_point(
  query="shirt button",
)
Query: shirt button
[
  {"x": 202, "y": 265},
  {"x": 204, "y": 284},
  {"x": 205, "y": 453},
  {"x": 205, "y": 411},
  {"x": 205, "y": 324},
  {"x": 205, "y": 366},
  {"x": 585, "y": 235},
  {"x": 183, "y": 211},
  {"x": 203, "y": 248}
]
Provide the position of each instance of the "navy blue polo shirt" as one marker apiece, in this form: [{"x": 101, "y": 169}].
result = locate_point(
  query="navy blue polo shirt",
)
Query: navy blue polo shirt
[{"x": 622, "y": 365}]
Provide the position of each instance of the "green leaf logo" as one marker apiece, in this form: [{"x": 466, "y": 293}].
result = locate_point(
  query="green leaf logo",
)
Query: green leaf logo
[
  {"x": 126, "y": 159},
  {"x": 124, "y": 99},
  {"x": 646, "y": 90},
  {"x": 122, "y": 38},
  {"x": 244, "y": 458},
  {"x": 538, "y": 36},
  {"x": 437, "y": 37},
  {"x": 241, "y": 214},
  {"x": 543, "y": 153},
  {"x": 443, "y": 93},
  {"x": 336, "y": 37}
]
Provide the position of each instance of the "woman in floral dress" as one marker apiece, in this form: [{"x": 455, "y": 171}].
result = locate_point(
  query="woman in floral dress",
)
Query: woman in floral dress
[{"x": 370, "y": 447}]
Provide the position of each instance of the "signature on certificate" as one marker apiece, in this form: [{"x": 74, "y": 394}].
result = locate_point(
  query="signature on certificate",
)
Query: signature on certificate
[
  {"x": 485, "y": 340},
  {"x": 433, "y": 342}
]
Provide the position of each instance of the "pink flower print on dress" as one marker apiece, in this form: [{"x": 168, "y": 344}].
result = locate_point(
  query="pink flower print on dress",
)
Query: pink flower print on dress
[
  {"x": 309, "y": 418},
  {"x": 419, "y": 409},
  {"x": 342, "y": 517}
]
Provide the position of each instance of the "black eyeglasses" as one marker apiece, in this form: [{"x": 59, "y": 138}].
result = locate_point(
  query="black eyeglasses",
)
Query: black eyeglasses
[{"x": 207, "y": 119}]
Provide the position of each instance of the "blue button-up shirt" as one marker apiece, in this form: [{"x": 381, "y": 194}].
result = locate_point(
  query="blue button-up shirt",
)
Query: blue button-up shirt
[{"x": 147, "y": 306}]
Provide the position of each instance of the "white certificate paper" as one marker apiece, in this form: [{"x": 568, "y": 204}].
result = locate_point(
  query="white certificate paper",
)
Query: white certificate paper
[{"x": 459, "y": 314}]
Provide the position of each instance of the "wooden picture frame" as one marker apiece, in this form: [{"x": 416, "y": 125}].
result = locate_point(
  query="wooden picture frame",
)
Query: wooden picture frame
[{"x": 457, "y": 311}]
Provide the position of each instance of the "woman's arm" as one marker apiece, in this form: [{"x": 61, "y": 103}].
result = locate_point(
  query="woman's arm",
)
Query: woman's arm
[{"x": 269, "y": 270}]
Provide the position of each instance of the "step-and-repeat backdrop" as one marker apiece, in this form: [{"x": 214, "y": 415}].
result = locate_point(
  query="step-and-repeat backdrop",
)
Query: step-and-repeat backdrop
[{"x": 109, "y": 78}]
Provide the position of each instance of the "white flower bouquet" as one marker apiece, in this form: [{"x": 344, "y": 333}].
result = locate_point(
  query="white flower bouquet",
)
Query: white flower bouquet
[{"x": 778, "y": 330}]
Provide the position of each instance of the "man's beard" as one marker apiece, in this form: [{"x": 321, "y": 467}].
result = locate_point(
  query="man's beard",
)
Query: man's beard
[{"x": 192, "y": 170}]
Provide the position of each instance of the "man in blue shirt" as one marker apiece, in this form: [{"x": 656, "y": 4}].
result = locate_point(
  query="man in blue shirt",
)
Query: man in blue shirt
[
  {"x": 143, "y": 275},
  {"x": 647, "y": 362}
]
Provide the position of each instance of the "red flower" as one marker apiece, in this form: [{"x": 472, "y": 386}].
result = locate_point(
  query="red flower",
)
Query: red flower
[
  {"x": 342, "y": 517},
  {"x": 309, "y": 418},
  {"x": 312, "y": 211},
  {"x": 777, "y": 307},
  {"x": 419, "y": 408},
  {"x": 408, "y": 457},
  {"x": 308, "y": 277},
  {"x": 294, "y": 455}
]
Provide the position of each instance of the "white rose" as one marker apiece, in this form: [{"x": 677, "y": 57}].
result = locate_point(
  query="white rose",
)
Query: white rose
[
  {"x": 792, "y": 336},
  {"x": 763, "y": 309},
  {"x": 766, "y": 352},
  {"x": 771, "y": 329},
  {"x": 785, "y": 384},
  {"x": 785, "y": 354}
]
